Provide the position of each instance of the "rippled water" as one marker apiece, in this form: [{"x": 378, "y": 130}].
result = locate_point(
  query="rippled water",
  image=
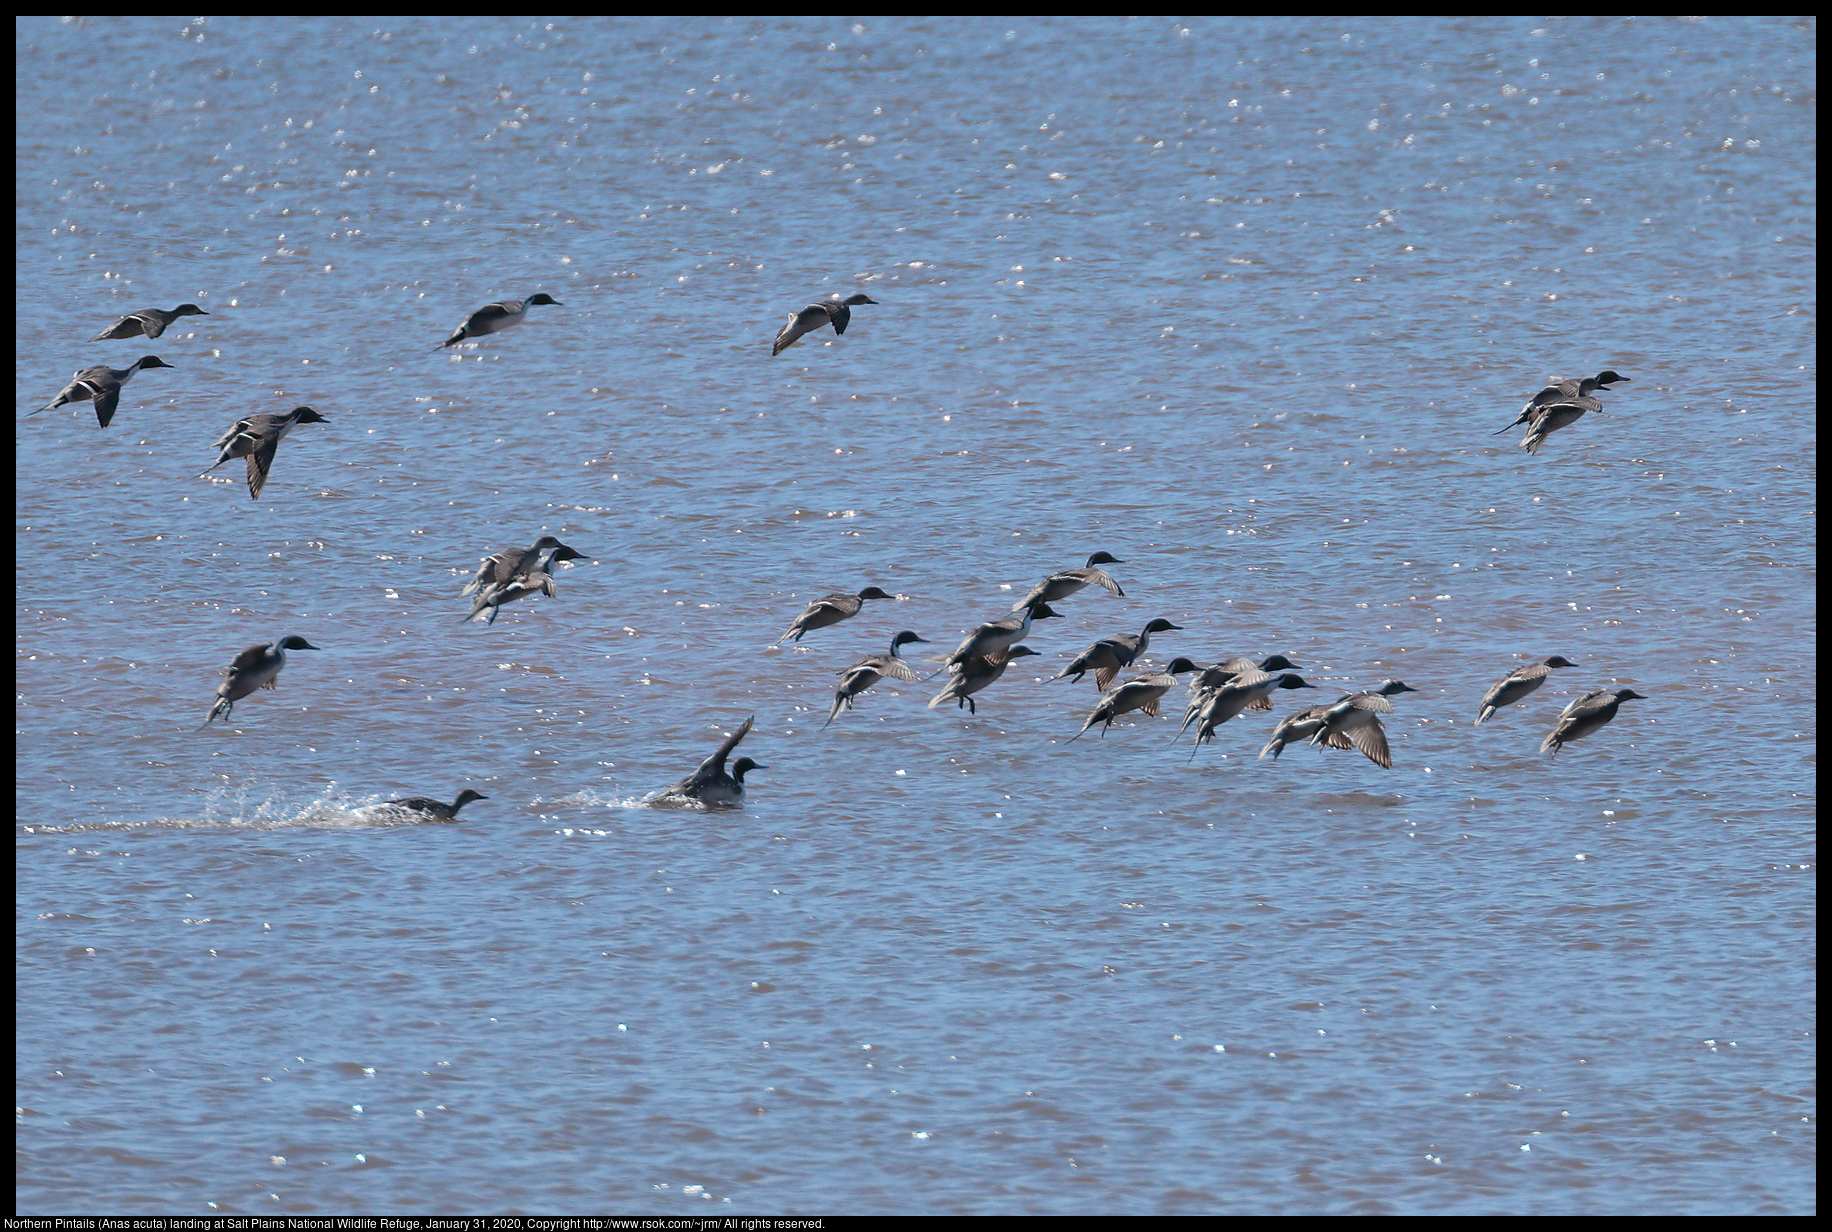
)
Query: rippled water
[{"x": 1240, "y": 302}]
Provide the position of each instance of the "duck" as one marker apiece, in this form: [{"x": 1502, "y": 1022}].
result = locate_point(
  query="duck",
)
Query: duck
[
  {"x": 1516, "y": 685},
  {"x": 870, "y": 670},
  {"x": 1559, "y": 391},
  {"x": 711, "y": 784},
  {"x": 1585, "y": 715},
  {"x": 257, "y": 438},
  {"x": 1354, "y": 722},
  {"x": 1306, "y": 722},
  {"x": 1140, "y": 693},
  {"x": 148, "y": 321},
  {"x": 1111, "y": 655},
  {"x": 257, "y": 667},
  {"x": 1065, "y": 582},
  {"x": 102, "y": 385},
  {"x": 494, "y": 318},
  {"x": 975, "y": 674},
  {"x": 1237, "y": 695},
  {"x": 1295, "y": 727},
  {"x": 511, "y": 563},
  {"x": 538, "y": 577},
  {"x": 435, "y": 810},
  {"x": 1210, "y": 680},
  {"x": 1556, "y": 415},
  {"x": 834, "y": 311},
  {"x": 830, "y": 610},
  {"x": 993, "y": 638}
]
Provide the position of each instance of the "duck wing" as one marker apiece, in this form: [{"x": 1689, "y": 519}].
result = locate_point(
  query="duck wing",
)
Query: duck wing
[
  {"x": 107, "y": 397},
  {"x": 714, "y": 766},
  {"x": 810, "y": 318},
  {"x": 259, "y": 463}
]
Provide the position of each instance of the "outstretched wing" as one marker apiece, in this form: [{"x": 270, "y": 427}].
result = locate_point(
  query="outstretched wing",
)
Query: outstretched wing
[
  {"x": 715, "y": 764},
  {"x": 895, "y": 668},
  {"x": 246, "y": 660},
  {"x": 258, "y": 463},
  {"x": 106, "y": 399},
  {"x": 810, "y": 318}
]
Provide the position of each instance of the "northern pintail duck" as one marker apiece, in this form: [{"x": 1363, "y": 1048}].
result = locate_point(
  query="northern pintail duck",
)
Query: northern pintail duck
[
  {"x": 712, "y": 784},
  {"x": 1210, "y": 680},
  {"x": 993, "y": 638},
  {"x": 511, "y": 563},
  {"x": 1305, "y": 723},
  {"x": 149, "y": 321},
  {"x": 1585, "y": 715},
  {"x": 1556, "y": 415},
  {"x": 870, "y": 670},
  {"x": 102, "y": 385},
  {"x": 1110, "y": 656},
  {"x": 1517, "y": 684},
  {"x": 494, "y": 318},
  {"x": 1237, "y": 695},
  {"x": 830, "y": 610},
  {"x": 1065, "y": 582},
  {"x": 835, "y": 311},
  {"x": 537, "y": 578},
  {"x": 436, "y": 810},
  {"x": 1560, "y": 391},
  {"x": 1295, "y": 727},
  {"x": 1141, "y": 693},
  {"x": 257, "y": 667},
  {"x": 257, "y": 438},
  {"x": 975, "y": 674},
  {"x": 1354, "y": 723}
]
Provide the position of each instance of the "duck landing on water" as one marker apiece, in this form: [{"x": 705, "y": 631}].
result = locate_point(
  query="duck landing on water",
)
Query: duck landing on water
[{"x": 712, "y": 785}]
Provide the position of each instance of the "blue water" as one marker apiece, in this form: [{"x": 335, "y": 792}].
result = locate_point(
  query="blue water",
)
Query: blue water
[{"x": 1241, "y": 302}]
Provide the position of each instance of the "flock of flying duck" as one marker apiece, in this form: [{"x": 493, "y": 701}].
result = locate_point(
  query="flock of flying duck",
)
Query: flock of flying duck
[{"x": 1217, "y": 692}]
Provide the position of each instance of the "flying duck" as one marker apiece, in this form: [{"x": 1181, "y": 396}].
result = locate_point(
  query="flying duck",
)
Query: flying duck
[
  {"x": 257, "y": 438},
  {"x": 494, "y": 318},
  {"x": 538, "y": 577},
  {"x": 994, "y": 637},
  {"x": 1140, "y": 693},
  {"x": 511, "y": 563},
  {"x": 711, "y": 784},
  {"x": 975, "y": 674},
  {"x": 1065, "y": 582},
  {"x": 1308, "y": 721},
  {"x": 1585, "y": 715},
  {"x": 835, "y": 311},
  {"x": 1516, "y": 685},
  {"x": 257, "y": 667},
  {"x": 1556, "y": 415},
  {"x": 436, "y": 810},
  {"x": 870, "y": 670},
  {"x": 1354, "y": 722},
  {"x": 1237, "y": 695},
  {"x": 101, "y": 384},
  {"x": 830, "y": 610},
  {"x": 1559, "y": 391},
  {"x": 1210, "y": 680},
  {"x": 1111, "y": 655},
  {"x": 149, "y": 321}
]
